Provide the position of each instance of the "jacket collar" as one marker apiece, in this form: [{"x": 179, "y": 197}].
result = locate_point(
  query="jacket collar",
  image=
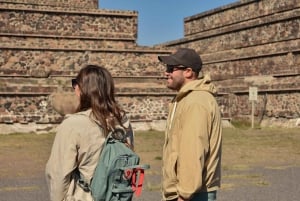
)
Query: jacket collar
[{"x": 201, "y": 84}]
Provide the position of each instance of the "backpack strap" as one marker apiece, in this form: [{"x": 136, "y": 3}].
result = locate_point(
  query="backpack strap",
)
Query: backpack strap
[
  {"x": 81, "y": 181},
  {"x": 138, "y": 178}
]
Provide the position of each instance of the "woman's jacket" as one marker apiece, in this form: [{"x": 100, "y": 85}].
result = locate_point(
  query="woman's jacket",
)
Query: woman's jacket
[{"x": 77, "y": 146}]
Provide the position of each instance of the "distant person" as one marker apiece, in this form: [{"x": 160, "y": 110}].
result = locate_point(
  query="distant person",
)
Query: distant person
[
  {"x": 80, "y": 137},
  {"x": 192, "y": 148}
]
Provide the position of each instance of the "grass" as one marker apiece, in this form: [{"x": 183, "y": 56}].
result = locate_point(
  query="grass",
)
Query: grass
[
  {"x": 25, "y": 155},
  {"x": 261, "y": 147}
]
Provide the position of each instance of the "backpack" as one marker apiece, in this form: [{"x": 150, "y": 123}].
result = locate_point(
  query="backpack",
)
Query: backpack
[{"x": 118, "y": 174}]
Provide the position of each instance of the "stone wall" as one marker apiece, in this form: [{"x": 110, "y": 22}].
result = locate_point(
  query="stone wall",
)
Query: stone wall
[
  {"x": 250, "y": 43},
  {"x": 56, "y": 3},
  {"x": 43, "y": 26},
  {"x": 30, "y": 78},
  {"x": 240, "y": 13},
  {"x": 43, "y": 46}
]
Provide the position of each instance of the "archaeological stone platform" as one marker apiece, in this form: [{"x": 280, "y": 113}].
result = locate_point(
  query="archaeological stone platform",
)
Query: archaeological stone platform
[{"x": 43, "y": 44}]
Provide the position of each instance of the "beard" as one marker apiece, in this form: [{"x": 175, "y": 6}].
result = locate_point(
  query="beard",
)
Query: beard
[{"x": 174, "y": 83}]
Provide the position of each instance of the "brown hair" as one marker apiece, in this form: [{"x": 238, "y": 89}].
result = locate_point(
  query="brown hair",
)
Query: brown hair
[{"x": 97, "y": 92}]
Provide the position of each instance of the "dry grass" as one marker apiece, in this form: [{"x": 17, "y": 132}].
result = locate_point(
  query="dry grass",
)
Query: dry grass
[
  {"x": 25, "y": 155},
  {"x": 241, "y": 148},
  {"x": 261, "y": 147}
]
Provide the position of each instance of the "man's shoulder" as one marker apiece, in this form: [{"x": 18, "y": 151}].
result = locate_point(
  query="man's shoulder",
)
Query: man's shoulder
[{"x": 201, "y": 94}]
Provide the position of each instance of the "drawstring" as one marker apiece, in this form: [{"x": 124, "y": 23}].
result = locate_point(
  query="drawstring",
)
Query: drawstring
[{"x": 172, "y": 115}]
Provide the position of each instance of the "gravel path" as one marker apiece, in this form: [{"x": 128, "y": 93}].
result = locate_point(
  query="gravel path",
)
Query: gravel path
[{"x": 256, "y": 184}]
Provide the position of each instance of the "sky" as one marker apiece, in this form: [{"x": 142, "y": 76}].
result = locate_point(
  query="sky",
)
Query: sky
[{"x": 162, "y": 20}]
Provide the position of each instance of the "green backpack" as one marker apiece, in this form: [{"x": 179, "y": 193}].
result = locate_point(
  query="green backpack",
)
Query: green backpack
[{"x": 118, "y": 174}]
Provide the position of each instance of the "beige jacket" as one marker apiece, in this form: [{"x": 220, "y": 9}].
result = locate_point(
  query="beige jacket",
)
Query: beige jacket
[
  {"x": 192, "y": 149},
  {"x": 78, "y": 143}
]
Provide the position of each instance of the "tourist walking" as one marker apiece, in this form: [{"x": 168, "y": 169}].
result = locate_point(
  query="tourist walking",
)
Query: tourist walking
[
  {"x": 79, "y": 138},
  {"x": 193, "y": 136}
]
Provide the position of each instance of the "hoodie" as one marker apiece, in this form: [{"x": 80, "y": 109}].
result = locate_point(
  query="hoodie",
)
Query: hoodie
[{"x": 193, "y": 138}]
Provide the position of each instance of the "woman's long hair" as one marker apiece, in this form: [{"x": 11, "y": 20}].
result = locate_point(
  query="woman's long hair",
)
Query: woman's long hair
[{"x": 97, "y": 92}]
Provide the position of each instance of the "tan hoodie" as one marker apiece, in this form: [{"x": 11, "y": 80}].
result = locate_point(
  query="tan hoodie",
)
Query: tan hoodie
[{"x": 192, "y": 149}]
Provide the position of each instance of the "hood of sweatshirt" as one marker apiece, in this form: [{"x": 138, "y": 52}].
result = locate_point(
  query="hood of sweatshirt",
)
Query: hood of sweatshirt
[{"x": 202, "y": 84}]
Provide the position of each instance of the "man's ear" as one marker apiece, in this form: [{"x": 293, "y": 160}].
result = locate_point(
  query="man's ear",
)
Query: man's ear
[{"x": 189, "y": 73}]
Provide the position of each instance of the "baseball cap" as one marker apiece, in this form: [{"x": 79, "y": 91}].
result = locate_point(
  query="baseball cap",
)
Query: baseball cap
[{"x": 184, "y": 56}]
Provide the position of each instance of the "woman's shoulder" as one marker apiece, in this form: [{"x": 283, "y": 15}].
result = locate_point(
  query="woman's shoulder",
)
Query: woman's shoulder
[{"x": 77, "y": 119}]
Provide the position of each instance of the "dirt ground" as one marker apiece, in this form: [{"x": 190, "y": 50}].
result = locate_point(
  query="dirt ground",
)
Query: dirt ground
[{"x": 257, "y": 164}]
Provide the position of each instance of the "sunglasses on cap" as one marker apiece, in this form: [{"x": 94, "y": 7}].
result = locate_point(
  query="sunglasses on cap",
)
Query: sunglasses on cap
[
  {"x": 172, "y": 68},
  {"x": 74, "y": 83}
]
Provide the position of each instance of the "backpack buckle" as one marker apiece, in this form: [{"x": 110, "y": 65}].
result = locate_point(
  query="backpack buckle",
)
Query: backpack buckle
[{"x": 127, "y": 174}]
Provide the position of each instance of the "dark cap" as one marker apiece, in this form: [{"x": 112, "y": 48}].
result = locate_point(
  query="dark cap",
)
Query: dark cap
[{"x": 184, "y": 56}]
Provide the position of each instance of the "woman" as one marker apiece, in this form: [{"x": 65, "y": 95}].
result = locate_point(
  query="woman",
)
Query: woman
[{"x": 80, "y": 137}]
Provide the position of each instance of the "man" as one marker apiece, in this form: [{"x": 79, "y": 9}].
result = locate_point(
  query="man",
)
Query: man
[{"x": 192, "y": 148}]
